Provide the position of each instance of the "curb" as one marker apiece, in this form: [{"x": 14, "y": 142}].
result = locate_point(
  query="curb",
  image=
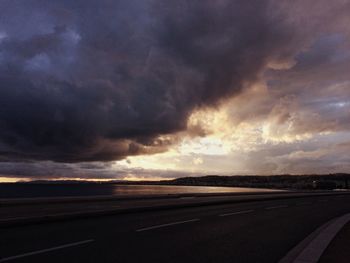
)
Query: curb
[
  {"x": 312, "y": 247},
  {"x": 106, "y": 212}
]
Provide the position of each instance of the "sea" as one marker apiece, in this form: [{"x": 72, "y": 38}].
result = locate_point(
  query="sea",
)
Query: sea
[{"x": 25, "y": 190}]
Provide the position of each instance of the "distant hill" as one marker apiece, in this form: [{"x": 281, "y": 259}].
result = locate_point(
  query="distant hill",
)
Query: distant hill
[{"x": 340, "y": 180}]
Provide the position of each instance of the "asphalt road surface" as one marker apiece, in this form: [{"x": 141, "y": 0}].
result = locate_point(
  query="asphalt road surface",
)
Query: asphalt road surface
[{"x": 262, "y": 231}]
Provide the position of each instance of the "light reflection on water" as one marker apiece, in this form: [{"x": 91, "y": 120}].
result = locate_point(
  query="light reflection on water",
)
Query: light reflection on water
[
  {"x": 175, "y": 189},
  {"x": 66, "y": 190}
]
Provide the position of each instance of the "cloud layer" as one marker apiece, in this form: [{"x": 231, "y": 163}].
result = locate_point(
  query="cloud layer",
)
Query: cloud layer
[{"x": 90, "y": 81}]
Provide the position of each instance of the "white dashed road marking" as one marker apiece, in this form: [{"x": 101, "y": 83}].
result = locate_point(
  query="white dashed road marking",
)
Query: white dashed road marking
[
  {"x": 46, "y": 250},
  {"x": 276, "y": 207},
  {"x": 165, "y": 225},
  {"x": 237, "y": 213}
]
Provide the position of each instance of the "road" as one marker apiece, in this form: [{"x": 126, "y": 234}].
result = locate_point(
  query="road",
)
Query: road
[
  {"x": 38, "y": 210},
  {"x": 261, "y": 231}
]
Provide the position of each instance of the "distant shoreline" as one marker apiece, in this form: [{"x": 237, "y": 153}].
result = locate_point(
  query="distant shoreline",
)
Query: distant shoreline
[{"x": 304, "y": 182}]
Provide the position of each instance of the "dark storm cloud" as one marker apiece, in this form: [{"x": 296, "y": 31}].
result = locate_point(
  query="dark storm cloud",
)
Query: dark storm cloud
[
  {"x": 102, "y": 80},
  {"x": 93, "y": 170}
]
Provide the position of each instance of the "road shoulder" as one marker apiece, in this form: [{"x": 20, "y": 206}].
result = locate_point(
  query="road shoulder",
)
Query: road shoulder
[
  {"x": 315, "y": 245},
  {"x": 338, "y": 250}
]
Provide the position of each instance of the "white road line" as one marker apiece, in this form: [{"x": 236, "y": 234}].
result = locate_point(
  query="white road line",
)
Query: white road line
[
  {"x": 237, "y": 213},
  {"x": 275, "y": 207},
  {"x": 165, "y": 225},
  {"x": 13, "y": 218},
  {"x": 47, "y": 250},
  {"x": 97, "y": 206},
  {"x": 302, "y": 204}
]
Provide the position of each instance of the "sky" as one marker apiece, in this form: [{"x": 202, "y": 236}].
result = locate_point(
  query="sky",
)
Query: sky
[{"x": 150, "y": 89}]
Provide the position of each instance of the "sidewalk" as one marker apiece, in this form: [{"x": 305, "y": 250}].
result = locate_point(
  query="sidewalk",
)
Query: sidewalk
[{"x": 338, "y": 250}]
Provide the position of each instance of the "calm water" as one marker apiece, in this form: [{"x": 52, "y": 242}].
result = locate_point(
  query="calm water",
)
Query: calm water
[{"x": 60, "y": 190}]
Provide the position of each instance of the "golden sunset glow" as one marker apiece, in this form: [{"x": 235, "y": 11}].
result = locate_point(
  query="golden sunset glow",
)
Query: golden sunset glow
[{"x": 12, "y": 180}]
